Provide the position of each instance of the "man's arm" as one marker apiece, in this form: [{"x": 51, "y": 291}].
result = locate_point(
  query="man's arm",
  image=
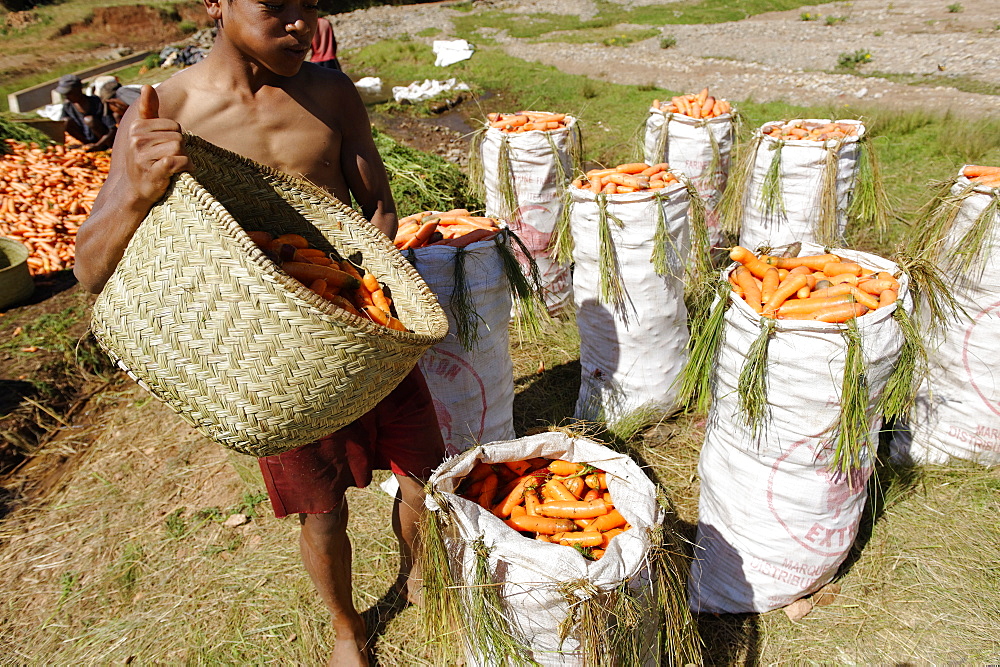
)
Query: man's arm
[
  {"x": 147, "y": 153},
  {"x": 362, "y": 166}
]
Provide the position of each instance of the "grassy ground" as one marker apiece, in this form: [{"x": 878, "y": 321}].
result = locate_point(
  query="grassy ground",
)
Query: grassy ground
[{"x": 126, "y": 557}]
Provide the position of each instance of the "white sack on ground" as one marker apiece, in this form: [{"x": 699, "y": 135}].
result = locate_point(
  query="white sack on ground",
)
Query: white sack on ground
[
  {"x": 472, "y": 388},
  {"x": 774, "y": 523},
  {"x": 957, "y": 409},
  {"x": 802, "y": 168},
  {"x": 698, "y": 148},
  {"x": 448, "y": 52},
  {"x": 632, "y": 350},
  {"x": 425, "y": 90},
  {"x": 538, "y": 177},
  {"x": 536, "y": 575}
]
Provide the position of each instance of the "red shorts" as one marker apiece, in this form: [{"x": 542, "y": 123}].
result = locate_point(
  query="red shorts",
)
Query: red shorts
[{"x": 400, "y": 434}]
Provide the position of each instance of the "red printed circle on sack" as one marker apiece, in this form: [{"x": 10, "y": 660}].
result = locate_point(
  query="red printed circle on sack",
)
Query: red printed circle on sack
[
  {"x": 443, "y": 368},
  {"x": 832, "y": 534}
]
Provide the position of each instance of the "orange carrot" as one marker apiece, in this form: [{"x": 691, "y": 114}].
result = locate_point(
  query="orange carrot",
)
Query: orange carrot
[
  {"x": 308, "y": 273},
  {"x": 556, "y": 490},
  {"x": 886, "y": 298},
  {"x": 749, "y": 260},
  {"x": 792, "y": 284},
  {"x": 769, "y": 285},
  {"x": 840, "y": 313},
  {"x": 803, "y": 308},
  {"x": 541, "y": 524},
  {"x": 814, "y": 262},
  {"x": 749, "y": 286},
  {"x": 586, "y": 538},
  {"x": 573, "y": 509},
  {"x": 565, "y": 468},
  {"x": 612, "y": 519}
]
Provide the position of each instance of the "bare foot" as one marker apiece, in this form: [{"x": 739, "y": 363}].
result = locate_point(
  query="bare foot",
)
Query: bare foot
[{"x": 347, "y": 653}]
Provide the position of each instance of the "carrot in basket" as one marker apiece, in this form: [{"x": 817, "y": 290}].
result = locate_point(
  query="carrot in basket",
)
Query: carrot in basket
[
  {"x": 575, "y": 486},
  {"x": 308, "y": 273},
  {"x": 887, "y": 297}
]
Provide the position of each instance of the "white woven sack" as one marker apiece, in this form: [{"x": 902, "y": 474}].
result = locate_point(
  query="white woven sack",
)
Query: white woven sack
[
  {"x": 631, "y": 352},
  {"x": 539, "y": 179},
  {"x": 957, "y": 410},
  {"x": 687, "y": 148},
  {"x": 803, "y": 164},
  {"x": 774, "y": 524},
  {"x": 473, "y": 389},
  {"x": 535, "y": 574}
]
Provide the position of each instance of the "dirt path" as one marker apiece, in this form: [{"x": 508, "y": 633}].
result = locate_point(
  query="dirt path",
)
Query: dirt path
[{"x": 769, "y": 57}]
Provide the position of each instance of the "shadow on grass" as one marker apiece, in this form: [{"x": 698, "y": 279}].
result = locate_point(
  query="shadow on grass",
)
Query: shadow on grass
[
  {"x": 890, "y": 481},
  {"x": 547, "y": 398}
]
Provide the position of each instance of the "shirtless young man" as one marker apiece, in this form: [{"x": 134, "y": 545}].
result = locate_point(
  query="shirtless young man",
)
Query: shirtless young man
[{"x": 253, "y": 95}]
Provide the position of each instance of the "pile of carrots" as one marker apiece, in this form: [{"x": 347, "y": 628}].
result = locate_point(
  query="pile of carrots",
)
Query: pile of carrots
[
  {"x": 549, "y": 500},
  {"x": 803, "y": 130},
  {"x": 45, "y": 195},
  {"x": 695, "y": 105},
  {"x": 456, "y": 228},
  {"x": 337, "y": 281},
  {"x": 812, "y": 287},
  {"x": 631, "y": 177},
  {"x": 526, "y": 121},
  {"x": 988, "y": 176}
]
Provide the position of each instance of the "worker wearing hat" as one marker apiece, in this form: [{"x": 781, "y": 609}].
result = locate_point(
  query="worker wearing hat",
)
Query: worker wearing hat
[{"x": 88, "y": 118}]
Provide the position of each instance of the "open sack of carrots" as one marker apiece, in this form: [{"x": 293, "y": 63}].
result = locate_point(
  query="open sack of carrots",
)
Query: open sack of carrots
[
  {"x": 457, "y": 228},
  {"x": 526, "y": 520},
  {"x": 823, "y": 287},
  {"x": 800, "y": 368}
]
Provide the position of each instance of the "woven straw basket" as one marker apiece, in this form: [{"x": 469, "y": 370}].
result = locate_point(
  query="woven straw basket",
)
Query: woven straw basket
[{"x": 199, "y": 316}]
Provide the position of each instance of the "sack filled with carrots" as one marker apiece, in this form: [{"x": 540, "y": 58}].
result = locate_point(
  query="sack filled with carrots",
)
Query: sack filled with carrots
[
  {"x": 694, "y": 132},
  {"x": 804, "y": 180},
  {"x": 476, "y": 277},
  {"x": 527, "y": 526},
  {"x": 522, "y": 176},
  {"x": 629, "y": 237},
  {"x": 954, "y": 414},
  {"x": 797, "y": 396}
]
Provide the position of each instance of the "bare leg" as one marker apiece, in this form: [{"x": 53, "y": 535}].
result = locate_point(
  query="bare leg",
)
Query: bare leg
[
  {"x": 406, "y": 516},
  {"x": 326, "y": 553}
]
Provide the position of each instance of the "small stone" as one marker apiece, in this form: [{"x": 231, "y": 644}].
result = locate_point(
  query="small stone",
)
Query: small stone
[
  {"x": 798, "y": 610},
  {"x": 236, "y": 520}
]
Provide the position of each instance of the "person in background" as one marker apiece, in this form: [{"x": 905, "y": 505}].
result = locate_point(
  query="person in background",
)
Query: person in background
[
  {"x": 88, "y": 119},
  {"x": 324, "y": 45}
]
